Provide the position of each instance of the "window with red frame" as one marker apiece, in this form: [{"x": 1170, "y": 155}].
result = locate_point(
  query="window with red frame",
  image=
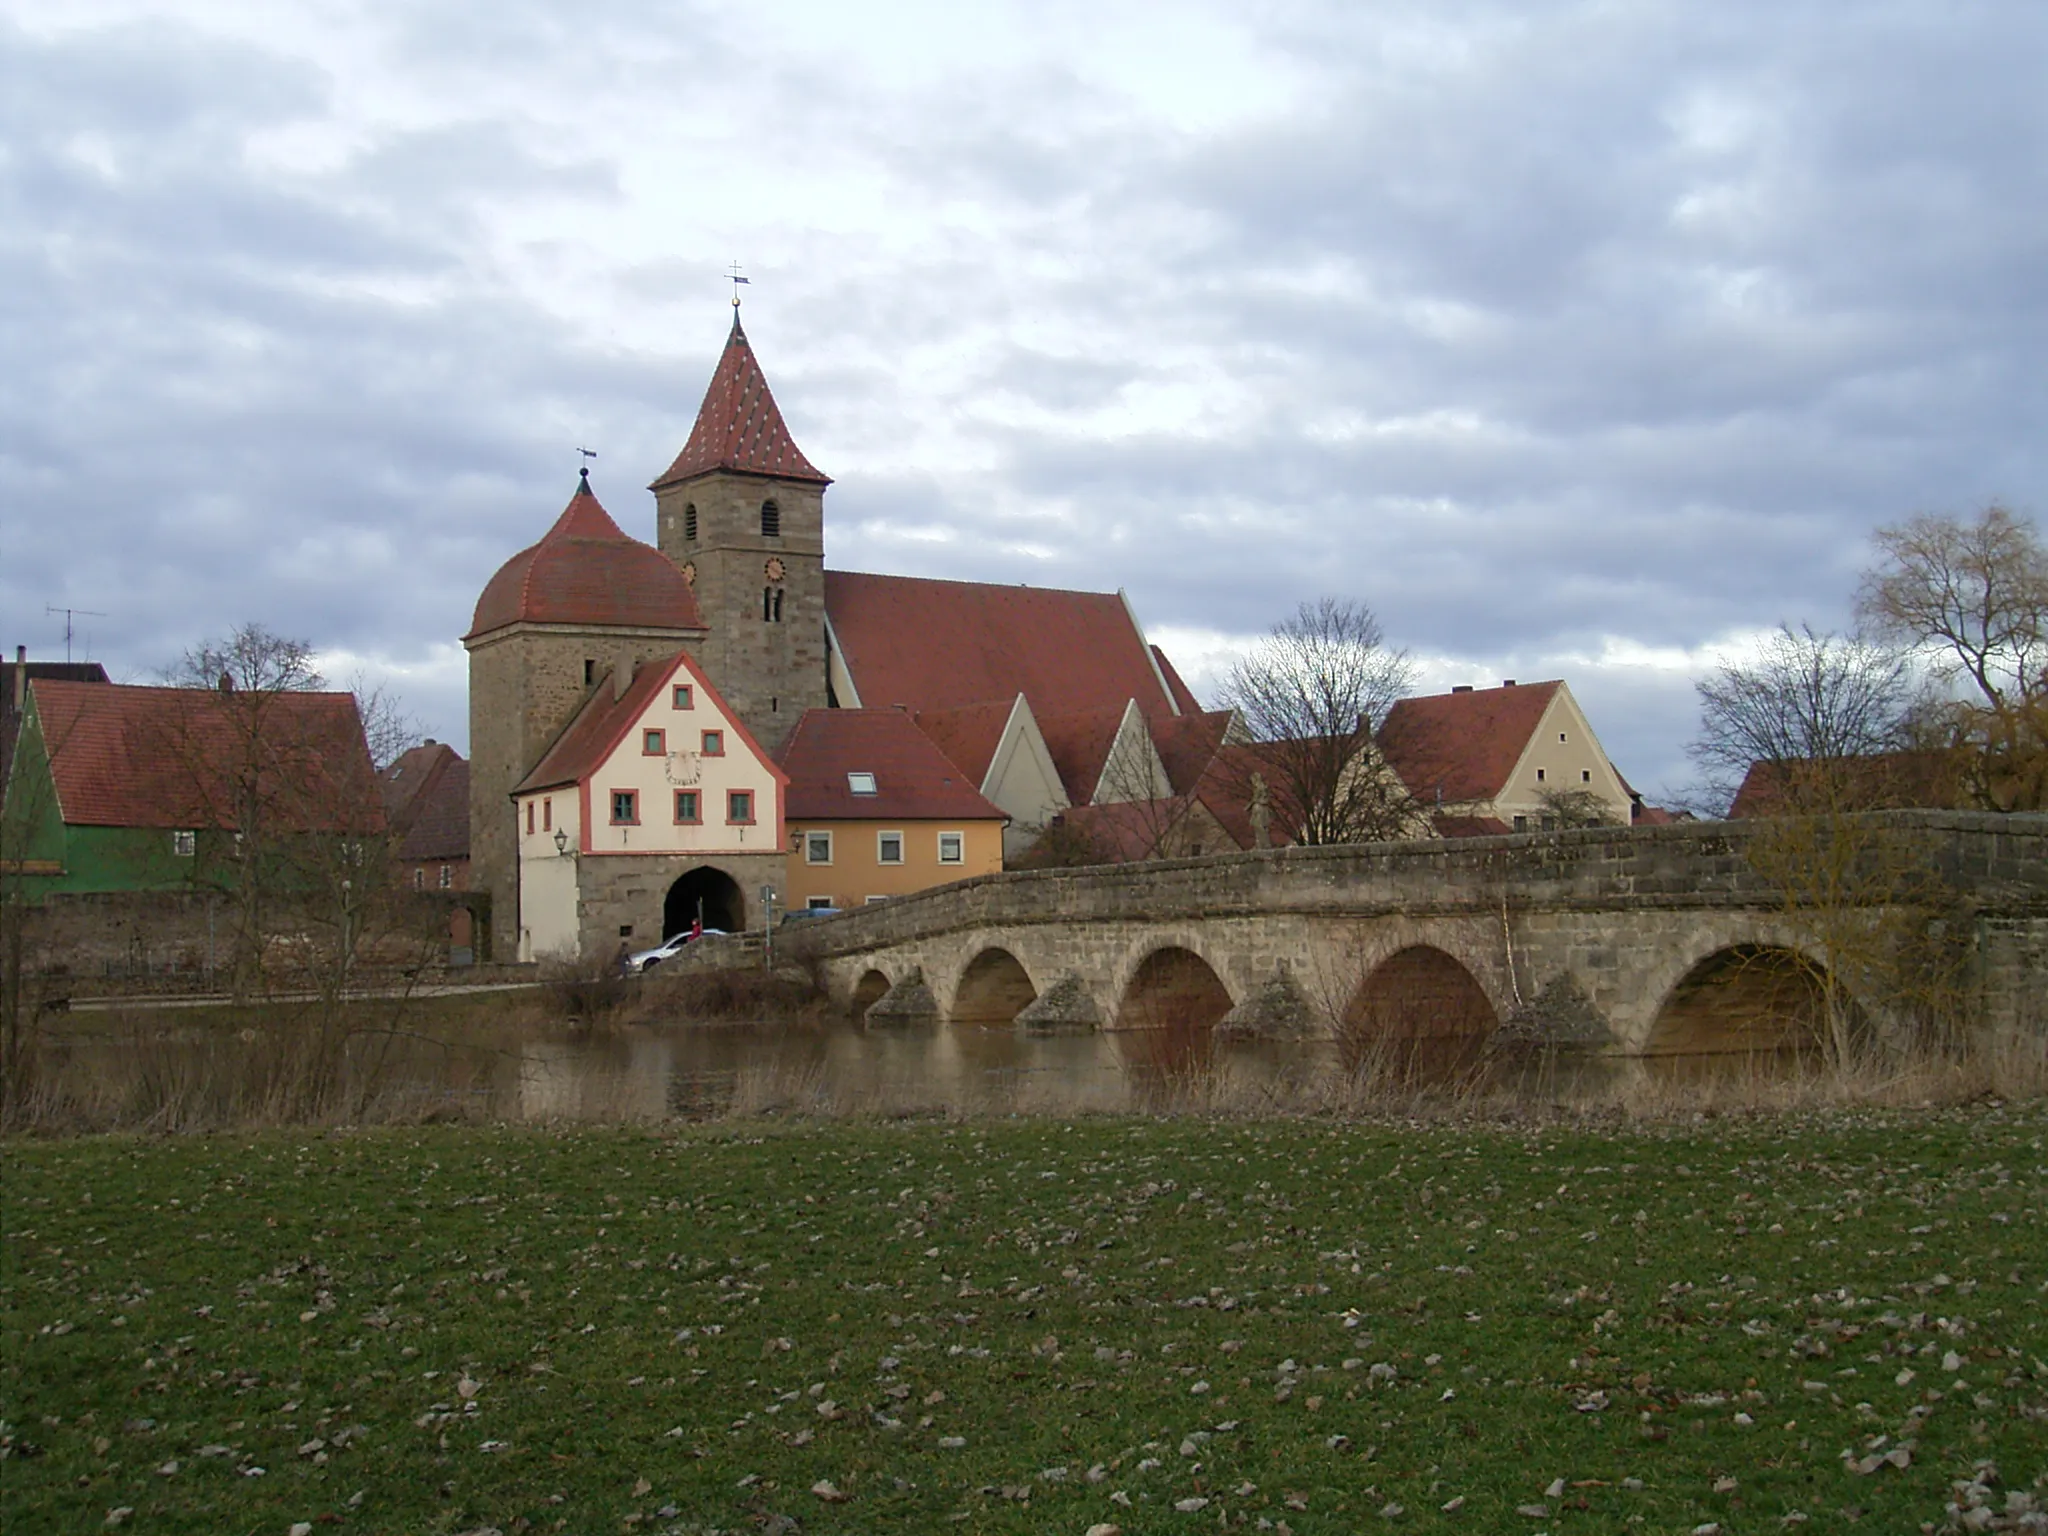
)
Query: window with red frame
[
  {"x": 739, "y": 806},
  {"x": 625, "y": 807}
]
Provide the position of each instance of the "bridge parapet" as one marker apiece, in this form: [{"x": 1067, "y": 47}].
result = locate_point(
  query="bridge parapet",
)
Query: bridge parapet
[
  {"x": 1623, "y": 918},
  {"x": 2001, "y": 861}
]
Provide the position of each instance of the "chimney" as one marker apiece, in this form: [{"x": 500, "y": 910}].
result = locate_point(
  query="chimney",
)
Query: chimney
[
  {"x": 227, "y": 682},
  {"x": 1507, "y": 682},
  {"x": 20, "y": 677},
  {"x": 1461, "y": 687},
  {"x": 622, "y": 675}
]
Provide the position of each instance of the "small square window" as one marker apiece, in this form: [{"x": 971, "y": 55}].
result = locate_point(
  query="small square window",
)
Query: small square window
[
  {"x": 952, "y": 848},
  {"x": 184, "y": 844},
  {"x": 714, "y": 743},
  {"x": 889, "y": 848},
  {"x": 1560, "y": 735},
  {"x": 739, "y": 806},
  {"x": 873, "y": 899},
  {"x": 653, "y": 743},
  {"x": 1585, "y": 775},
  {"x": 419, "y": 879},
  {"x": 683, "y": 696},
  {"x": 818, "y": 904},
  {"x": 1539, "y": 775},
  {"x": 860, "y": 783},
  {"x": 447, "y": 878},
  {"x": 1521, "y": 823},
  {"x": 625, "y": 807},
  {"x": 689, "y": 809},
  {"x": 817, "y": 847}
]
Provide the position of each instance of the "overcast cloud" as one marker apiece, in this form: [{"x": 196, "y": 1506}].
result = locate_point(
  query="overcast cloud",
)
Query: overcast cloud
[{"x": 1579, "y": 340}]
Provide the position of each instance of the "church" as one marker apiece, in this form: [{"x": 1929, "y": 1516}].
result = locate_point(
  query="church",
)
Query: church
[{"x": 628, "y": 701}]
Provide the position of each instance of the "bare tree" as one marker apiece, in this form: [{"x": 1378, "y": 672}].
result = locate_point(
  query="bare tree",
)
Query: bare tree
[
  {"x": 1818, "y": 711},
  {"x": 1820, "y": 721},
  {"x": 1973, "y": 595},
  {"x": 1313, "y": 695},
  {"x": 1566, "y": 809},
  {"x": 281, "y": 784}
]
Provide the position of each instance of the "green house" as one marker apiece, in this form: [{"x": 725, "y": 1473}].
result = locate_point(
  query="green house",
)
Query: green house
[{"x": 112, "y": 788}]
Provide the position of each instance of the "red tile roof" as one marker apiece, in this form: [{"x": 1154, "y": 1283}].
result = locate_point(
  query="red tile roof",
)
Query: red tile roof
[
  {"x": 968, "y": 735},
  {"x": 603, "y": 721},
  {"x": 1188, "y": 743},
  {"x": 1128, "y": 831},
  {"x": 1079, "y": 744},
  {"x": 739, "y": 427},
  {"x": 181, "y": 757},
  {"x": 1183, "y": 695},
  {"x": 914, "y": 780},
  {"x": 1882, "y": 781},
  {"x": 586, "y": 571},
  {"x": 1469, "y": 826},
  {"x": 426, "y": 801},
  {"x": 1466, "y": 744},
  {"x": 941, "y": 644}
]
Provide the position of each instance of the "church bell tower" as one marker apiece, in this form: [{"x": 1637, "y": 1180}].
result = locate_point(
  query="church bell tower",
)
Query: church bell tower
[{"x": 741, "y": 513}]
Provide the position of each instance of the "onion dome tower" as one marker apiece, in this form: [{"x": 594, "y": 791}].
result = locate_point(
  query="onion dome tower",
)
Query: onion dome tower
[{"x": 585, "y": 605}]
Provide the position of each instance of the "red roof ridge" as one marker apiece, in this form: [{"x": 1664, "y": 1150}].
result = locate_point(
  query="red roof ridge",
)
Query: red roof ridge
[
  {"x": 586, "y": 570},
  {"x": 739, "y": 427}
]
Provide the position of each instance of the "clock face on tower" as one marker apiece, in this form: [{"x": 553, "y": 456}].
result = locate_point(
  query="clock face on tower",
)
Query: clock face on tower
[
  {"x": 690, "y": 572},
  {"x": 774, "y": 569}
]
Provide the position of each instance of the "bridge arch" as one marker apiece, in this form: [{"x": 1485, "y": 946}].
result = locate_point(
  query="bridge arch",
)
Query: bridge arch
[
  {"x": 1755, "y": 1007},
  {"x": 1172, "y": 987},
  {"x": 1420, "y": 1013},
  {"x": 868, "y": 991},
  {"x": 993, "y": 989}
]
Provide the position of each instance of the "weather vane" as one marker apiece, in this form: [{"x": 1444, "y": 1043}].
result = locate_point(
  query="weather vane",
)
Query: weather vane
[{"x": 734, "y": 273}]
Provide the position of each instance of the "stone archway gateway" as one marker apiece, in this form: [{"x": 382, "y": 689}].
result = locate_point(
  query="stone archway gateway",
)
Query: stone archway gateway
[
  {"x": 706, "y": 893},
  {"x": 993, "y": 990},
  {"x": 1419, "y": 1015}
]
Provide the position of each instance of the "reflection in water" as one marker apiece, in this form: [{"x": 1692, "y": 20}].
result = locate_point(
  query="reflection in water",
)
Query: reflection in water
[{"x": 696, "y": 1071}]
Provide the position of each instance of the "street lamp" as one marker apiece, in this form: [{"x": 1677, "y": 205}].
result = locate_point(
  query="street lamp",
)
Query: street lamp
[{"x": 561, "y": 843}]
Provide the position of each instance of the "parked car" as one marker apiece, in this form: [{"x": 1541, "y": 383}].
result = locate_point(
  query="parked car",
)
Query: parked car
[
  {"x": 667, "y": 949},
  {"x": 798, "y": 914}
]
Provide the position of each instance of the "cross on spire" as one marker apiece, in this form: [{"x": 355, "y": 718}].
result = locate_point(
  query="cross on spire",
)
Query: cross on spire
[{"x": 733, "y": 272}]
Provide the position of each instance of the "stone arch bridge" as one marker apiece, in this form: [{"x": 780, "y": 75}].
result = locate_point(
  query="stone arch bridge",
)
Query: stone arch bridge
[{"x": 1651, "y": 941}]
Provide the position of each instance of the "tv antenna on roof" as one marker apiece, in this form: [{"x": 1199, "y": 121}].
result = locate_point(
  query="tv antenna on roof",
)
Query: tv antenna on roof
[
  {"x": 90, "y": 613},
  {"x": 733, "y": 272}
]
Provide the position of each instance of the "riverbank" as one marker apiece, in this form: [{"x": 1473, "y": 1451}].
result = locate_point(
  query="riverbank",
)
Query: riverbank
[{"x": 1029, "y": 1325}]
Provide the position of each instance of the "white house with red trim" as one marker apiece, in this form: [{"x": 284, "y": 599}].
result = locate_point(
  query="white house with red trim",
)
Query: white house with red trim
[{"x": 655, "y": 793}]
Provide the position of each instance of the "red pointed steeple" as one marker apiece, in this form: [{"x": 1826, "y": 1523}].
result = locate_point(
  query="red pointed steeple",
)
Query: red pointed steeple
[{"x": 739, "y": 428}]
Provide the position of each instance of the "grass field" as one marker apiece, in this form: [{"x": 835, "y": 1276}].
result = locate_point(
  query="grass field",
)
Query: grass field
[{"x": 1170, "y": 1325}]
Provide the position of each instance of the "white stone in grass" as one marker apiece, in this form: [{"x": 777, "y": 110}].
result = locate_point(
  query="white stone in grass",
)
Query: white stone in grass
[
  {"x": 1452, "y": 1506},
  {"x": 1555, "y": 1490},
  {"x": 1190, "y": 1506},
  {"x": 302, "y": 1528}
]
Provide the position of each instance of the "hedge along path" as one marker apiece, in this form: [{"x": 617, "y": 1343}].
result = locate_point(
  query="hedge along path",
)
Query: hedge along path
[{"x": 1027, "y": 1326}]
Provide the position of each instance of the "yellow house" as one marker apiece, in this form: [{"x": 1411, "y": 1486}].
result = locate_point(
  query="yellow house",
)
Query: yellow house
[{"x": 874, "y": 809}]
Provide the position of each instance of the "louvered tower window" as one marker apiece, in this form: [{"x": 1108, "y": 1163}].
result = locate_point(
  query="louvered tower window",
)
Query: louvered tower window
[
  {"x": 771, "y": 520},
  {"x": 690, "y": 522}
]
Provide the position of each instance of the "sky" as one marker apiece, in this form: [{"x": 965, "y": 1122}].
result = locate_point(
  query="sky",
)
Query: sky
[{"x": 1582, "y": 340}]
